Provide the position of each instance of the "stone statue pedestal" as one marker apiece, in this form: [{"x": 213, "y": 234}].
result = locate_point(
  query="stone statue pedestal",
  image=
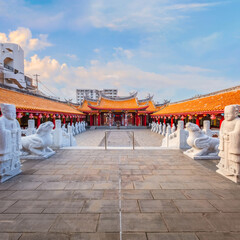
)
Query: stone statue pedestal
[
  {"x": 206, "y": 157},
  {"x": 37, "y": 157},
  {"x": 228, "y": 175}
]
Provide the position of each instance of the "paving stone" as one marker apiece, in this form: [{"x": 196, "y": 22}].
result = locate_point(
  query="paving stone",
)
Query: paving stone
[
  {"x": 5, "y": 204},
  {"x": 108, "y": 222},
  {"x": 227, "y": 193},
  {"x": 218, "y": 236},
  {"x": 51, "y": 195},
  {"x": 10, "y": 236},
  {"x": 27, "y": 195},
  {"x": 86, "y": 194},
  {"x": 142, "y": 222},
  {"x": 25, "y": 186},
  {"x": 44, "y": 236},
  {"x": 105, "y": 185},
  {"x": 146, "y": 185},
  {"x": 52, "y": 186},
  {"x": 136, "y": 194},
  {"x": 186, "y": 222},
  {"x": 194, "y": 206},
  {"x": 95, "y": 236},
  {"x": 172, "y": 236},
  {"x": 167, "y": 194},
  {"x": 79, "y": 185},
  {"x": 200, "y": 194},
  {"x": 157, "y": 206},
  {"x": 225, "y": 222},
  {"x": 226, "y": 205},
  {"x": 134, "y": 236},
  {"x": 5, "y": 194},
  {"x": 28, "y": 223},
  {"x": 70, "y": 223}
]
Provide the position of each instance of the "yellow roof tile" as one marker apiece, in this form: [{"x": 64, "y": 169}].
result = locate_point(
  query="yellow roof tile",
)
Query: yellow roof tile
[{"x": 27, "y": 102}]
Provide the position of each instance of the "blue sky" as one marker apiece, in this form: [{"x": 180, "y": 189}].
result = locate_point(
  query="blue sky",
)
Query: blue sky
[{"x": 173, "y": 49}]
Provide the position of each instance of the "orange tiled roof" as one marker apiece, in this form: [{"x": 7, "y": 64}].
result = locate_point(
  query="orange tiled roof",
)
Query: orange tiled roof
[
  {"x": 126, "y": 104},
  {"x": 33, "y": 103},
  {"x": 151, "y": 107},
  {"x": 84, "y": 107},
  {"x": 208, "y": 104}
]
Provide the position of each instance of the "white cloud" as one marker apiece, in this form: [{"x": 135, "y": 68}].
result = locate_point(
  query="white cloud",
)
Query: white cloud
[
  {"x": 72, "y": 57},
  {"x": 63, "y": 79},
  {"x": 146, "y": 15},
  {"x": 23, "y": 37},
  {"x": 140, "y": 14},
  {"x": 120, "y": 52},
  {"x": 201, "y": 45}
]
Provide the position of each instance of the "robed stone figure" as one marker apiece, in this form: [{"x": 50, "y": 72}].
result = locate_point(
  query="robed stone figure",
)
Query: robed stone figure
[
  {"x": 10, "y": 140},
  {"x": 229, "y": 147}
]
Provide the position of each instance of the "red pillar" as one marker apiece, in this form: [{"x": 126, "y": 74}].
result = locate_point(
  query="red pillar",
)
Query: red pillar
[
  {"x": 99, "y": 119},
  {"x": 91, "y": 120},
  {"x": 132, "y": 119},
  {"x": 158, "y": 120},
  {"x": 197, "y": 121},
  {"x": 64, "y": 119},
  {"x": 164, "y": 120},
  {"x": 136, "y": 119},
  {"x": 221, "y": 120},
  {"x": 145, "y": 120},
  {"x": 171, "y": 121},
  {"x": 38, "y": 121},
  {"x": 54, "y": 123}
]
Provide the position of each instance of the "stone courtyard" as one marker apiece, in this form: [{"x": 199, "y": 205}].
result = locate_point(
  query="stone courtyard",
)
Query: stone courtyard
[{"x": 96, "y": 194}]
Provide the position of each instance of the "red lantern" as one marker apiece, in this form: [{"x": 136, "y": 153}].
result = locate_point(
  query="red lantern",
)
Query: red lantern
[
  {"x": 182, "y": 117},
  {"x": 40, "y": 116},
  {"x": 213, "y": 117},
  {"x": 19, "y": 115},
  {"x": 31, "y": 116},
  {"x": 190, "y": 117}
]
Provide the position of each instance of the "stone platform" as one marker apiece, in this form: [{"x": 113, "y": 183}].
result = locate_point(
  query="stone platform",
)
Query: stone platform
[{"x": 76, "y": 194}]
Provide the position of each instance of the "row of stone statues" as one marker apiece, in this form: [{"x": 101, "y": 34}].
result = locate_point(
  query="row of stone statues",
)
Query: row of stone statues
[
  {"x": 36, "y": 144},
  {"x": 201, "y": 144},
  {"x": 162, "y": 129}
]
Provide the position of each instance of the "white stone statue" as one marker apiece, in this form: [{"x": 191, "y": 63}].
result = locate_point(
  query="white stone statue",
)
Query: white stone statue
[
  {"x": 206, "y": 128},
  {"x": 31, "y": 127},
  {"x": 173, "y": 128},
  {"x": 72, "y": 139},
  {"x": 203, "y": 146},
  {"x": 60, "y": 137},
  {"x": 10, "y": 141},
  {"x": 164, "y": 129},
  {"x": 229, "y": 165},
  {"x": 153, "y": 126},
  {"x": 168, "y": 130},
  {"x": 160, "y": 128},
  {"x": 84, "y": 126},
  {"x": 177, "y": 139},
  {"x": 37, "y": 146},
  {"x": 64, "y": 128}
]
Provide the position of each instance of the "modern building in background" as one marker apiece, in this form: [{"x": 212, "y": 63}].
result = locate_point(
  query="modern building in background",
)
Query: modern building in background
[
  {"x": 12, "y": 67},
  {"x": 94, "y": 94}
]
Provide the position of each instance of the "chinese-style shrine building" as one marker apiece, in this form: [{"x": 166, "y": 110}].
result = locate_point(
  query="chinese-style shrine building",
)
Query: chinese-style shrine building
[
  {"x": 206, "y": 107},
  {"x": 42, "y": 109},
  {"x": 123, "y": 111}
]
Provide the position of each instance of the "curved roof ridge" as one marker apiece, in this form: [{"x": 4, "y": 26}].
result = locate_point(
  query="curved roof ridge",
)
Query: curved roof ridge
[
  {"x": 119, "y": 98},
  {"x": 89, "y": 99},
  {"x": 146, "y": 99}
]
